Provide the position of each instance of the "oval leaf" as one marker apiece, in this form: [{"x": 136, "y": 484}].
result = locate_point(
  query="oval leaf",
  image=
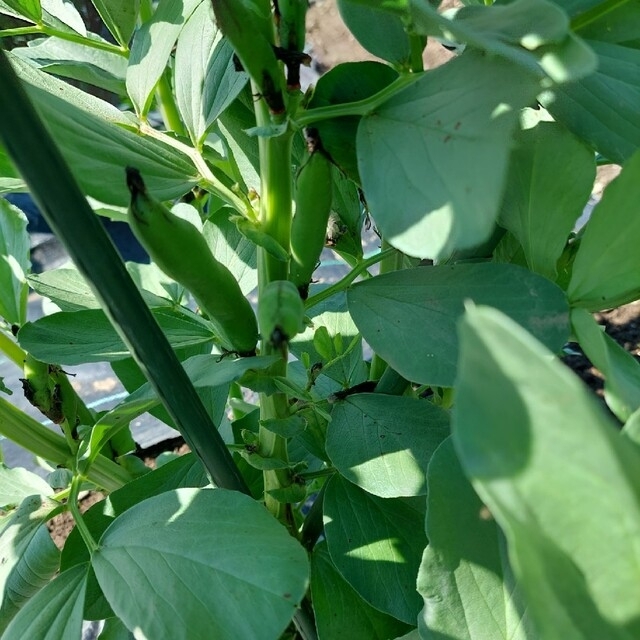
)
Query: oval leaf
[
  {"x": 80, "y": 124},
  {"x": 555, "y": 473},
  {"x": 465, "y": 577},
  {"x": 606, "y": 271},
  {"x": 339, "y": 611},
  {"x": 152, "y": 47},
  {"x": 364, "y": 531},
  {"x": 551, "y": 174},
  {"x": 433, "y": 158},
  {"x": 384, "y": 443},
  {"x": 201, "y": 563},
  {"x": 409, "y": 317},
  {"x": 604, "y": 107},
  {"x": 87, "y": 336},
  {"x": 55, "y": 612},
  {"x": 119, "y": 16},
  {"x": 29, "y": 559},
  {"x": 378, "y": 32}
]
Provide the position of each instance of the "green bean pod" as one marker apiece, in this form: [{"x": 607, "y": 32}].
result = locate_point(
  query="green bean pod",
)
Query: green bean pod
[
  {"x": 309, "y": 225},
  {"x": 181, "y": 251},
  {"x": 249, "y": 27},
  {"x": 280, "y": 312}
]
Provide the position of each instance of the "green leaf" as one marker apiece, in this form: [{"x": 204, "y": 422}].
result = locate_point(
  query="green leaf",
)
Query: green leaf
[
  {"x": 433, "y": 158},
  {"x": 604, "y": 108},
  {"x": 55, "y": 612},
  {"x": 240, "y": 576},
  {"x": 80, "y": 124},
  {"x": 544, "y": 459},
  {"x": 255, "y": 233},
  {"x": 18, "y": 484},
  {"x": 620, "y": 369},
  {"x": 14, "y": 263},
  {"x": 631, "y": 429},
  {"x": 243, "y": 149},
  {"x": 381, "y": 34},
  {"x": 365, "y": 533},
  {"x": 409, "y": 317},
  {"x": 347, "y": 82},
  {"x": 339, "y": 611},
  {"x": 231, "y": 248},
  {"x": 206, "y": 81},
  {"x": 29, "y": 10},
  {"x": 260, "y": 462},
  {"x": 66, "y": 288},
  {"x": 465, "y": 578},
  {"x": 332, "y": 314},
  {"x": 61, "y": 12},
  {"x": 551, "y": 174},
  {"x": 534, "y": 34},
  {"x": 223, "y": 82},
  {"x": 285, "y": 427},
  {"x": 609, "y": 22},
  {"x": 29, "y": 557},
  {"x": 69, "y": 291},
  {"x": 606, "y": 271},
  {"x": 77, "y": 61},
  {"x": 576, "y": 7},
  {"x": 119, "y": 16},
  {"x": 194, "y": 50},
  {"x": 383, "y": 444},
  {"x": 344, "y": 232},
  {"x": 186, "y": 471},
  {"x": 151, "y": 49},
  {"x": 7, "y": 168},
  {"x": 70, "y": 338},
  {"x": 205, "y": 371}
]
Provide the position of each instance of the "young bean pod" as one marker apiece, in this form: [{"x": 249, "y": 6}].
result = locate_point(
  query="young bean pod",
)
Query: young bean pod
[
  {"x": 280, "y": 312},
  {"x": 181, "y": 251},
  {"x": 309, "y": 225}
]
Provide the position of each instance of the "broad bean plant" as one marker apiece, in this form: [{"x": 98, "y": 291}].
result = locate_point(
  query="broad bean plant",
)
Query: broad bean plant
[{"x": 397, "y": 454}]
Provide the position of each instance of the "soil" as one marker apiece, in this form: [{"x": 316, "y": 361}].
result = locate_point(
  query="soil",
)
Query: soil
[{"x": 331, "y": 43}]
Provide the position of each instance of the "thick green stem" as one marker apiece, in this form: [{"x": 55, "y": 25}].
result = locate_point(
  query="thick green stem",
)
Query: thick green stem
[
  {"x": 276, "y": 195},
  {"x": 29, "y": 434},
  {"x": 41, "y": 29},
  {"x": 11, "y": 349}
]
